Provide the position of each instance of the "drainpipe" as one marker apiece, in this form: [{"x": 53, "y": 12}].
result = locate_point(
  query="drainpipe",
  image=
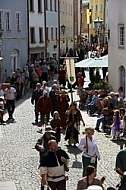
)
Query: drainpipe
[
  {"x": 74, "y": 26},
  {"x": 28, "y": 46},
  {"x": 59, "y": 31},
  {"x": 45, "y": 29}
]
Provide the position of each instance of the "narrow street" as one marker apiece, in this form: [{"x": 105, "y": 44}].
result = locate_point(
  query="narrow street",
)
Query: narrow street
[{"x": 19, "y": 160}]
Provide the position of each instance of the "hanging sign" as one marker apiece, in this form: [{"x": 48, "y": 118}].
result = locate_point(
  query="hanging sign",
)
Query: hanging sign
[{"x": 70, "y": 71}]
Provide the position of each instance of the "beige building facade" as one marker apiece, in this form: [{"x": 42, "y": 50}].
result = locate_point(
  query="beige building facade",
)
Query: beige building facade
[
  {"x": 66, "y": 20},
  {"x": 117, "y": 44}
]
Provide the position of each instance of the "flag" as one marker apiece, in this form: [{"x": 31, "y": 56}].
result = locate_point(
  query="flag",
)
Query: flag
[
  {"x": 71, "y": 71},
  {"x": 89, "y": 16}
]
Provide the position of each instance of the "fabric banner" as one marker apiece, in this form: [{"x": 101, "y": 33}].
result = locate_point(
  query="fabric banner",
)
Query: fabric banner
[{"x": 70, "y": 71}]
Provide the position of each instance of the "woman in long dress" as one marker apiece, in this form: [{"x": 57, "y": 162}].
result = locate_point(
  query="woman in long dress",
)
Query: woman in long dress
[
  {"x": 74, "y": 117},
  {"x": 63, "y": 105},
  {"x": 55, "y": 124}
]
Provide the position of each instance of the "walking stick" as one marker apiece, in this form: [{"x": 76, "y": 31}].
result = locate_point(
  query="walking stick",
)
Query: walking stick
[{"x": 41, "y": 179}]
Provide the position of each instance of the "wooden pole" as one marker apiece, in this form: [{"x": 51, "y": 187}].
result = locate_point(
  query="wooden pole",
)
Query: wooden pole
[{"x": 71, "y": 93}]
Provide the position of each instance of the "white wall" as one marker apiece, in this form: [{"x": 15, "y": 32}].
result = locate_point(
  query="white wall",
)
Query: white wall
[
  {"x": 37, "y": 20},
  {"x": 117, "y": 57},
  {"x": 52, "y": 21}
]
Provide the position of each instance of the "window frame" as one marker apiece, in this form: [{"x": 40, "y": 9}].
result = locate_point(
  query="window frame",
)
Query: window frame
[
  {"x": 40, "y": 7},
  {"x": 9, "y": 23},
  {"x": 55, "y": 5},
  {"x": 51, "y": 5},
  {"x": 41, "y": 37},
  {"x": 32, "y": 7},
  {"x": 96, "y": 8},
  {"x": 52, "y": 33},
  {"x": 121, "y": 42},
  {"x": 34, "y": 40},
  {"x": 18, "y": 25},
  {"x": 56, "y": 33},
  {"x": 47, "y": 5},
  {"x": 47, "y": 33},
  {"x": 1, "y": 19}
]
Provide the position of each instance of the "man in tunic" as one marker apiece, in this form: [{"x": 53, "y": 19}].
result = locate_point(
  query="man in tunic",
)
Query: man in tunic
[
  {"x": 37, "y": 93},
  {"x": 44, "y": 106},
  {"x": 52, "y": 168},
  {"x": 42, "y": 144}
]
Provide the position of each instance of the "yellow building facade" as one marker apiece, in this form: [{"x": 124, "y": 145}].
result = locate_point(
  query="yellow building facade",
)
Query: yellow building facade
[
  {"x": 66, "y": 19},
  {"x": 98, "y": 10}
]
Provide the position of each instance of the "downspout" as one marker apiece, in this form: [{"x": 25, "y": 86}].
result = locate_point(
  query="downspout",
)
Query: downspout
[
  {"x": 59, "y": 31},
  {"x": 45, "y": 29},
  {"x": 28, "y": 46}
]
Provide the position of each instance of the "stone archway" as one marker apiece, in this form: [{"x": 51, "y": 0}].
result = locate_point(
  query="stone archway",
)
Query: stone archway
[
  {"x": 122, "y": 77},
  {"x": 14, "y": 59}
]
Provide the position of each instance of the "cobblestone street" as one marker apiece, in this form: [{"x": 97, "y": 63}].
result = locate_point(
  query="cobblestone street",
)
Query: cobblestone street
[{"x": 19, "y": 159}]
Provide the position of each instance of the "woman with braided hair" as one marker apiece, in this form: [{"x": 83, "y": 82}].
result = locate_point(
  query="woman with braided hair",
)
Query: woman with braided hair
[{"x": 90, "y": 179}]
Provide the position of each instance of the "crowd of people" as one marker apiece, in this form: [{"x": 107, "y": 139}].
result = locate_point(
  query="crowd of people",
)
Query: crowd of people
[{"x": 55, "y": 113}]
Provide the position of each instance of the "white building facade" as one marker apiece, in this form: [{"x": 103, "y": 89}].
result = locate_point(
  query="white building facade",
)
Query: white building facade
[
  {"x": 66, "y": 19},
  {"x": 13, "y": 35},
  {"x": 117, "y": 44},
  {"x": 52, "y": 28},
  {"x": 36, "y": 29}
]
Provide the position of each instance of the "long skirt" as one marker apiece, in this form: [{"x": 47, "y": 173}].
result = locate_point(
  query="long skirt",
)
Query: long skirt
[{"x": 72, "y": 134}]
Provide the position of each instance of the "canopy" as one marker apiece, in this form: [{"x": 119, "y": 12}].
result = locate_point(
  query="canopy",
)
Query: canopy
[
  {"x": 1, "y": 58},
  {"x": 93, "y": 62}
]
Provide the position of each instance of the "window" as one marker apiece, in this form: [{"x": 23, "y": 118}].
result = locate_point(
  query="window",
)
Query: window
[
  {"x": 41, "y": 35},
  {"x": 56, "y": 33},
  {"x": 50, "y": 5},
  {"x": 47, "y": 33},
  {"x": 40, "y": 6},
  {"x": 47, "y": 5},
  {"x": 121, "y": 29},
  {"x": 18, "y": 21},
  {"x": 51, "y": 33},
  {"x": 96, "y": 8},
  {"x": 32, "y": 32},
  {"x": 31, "y": 5},
  {"x": 7, "y": 15},
  {"x": 1, "y": 20},
  {"x": 91, "y": 8},
  {"x": 101, "y": 7},
  {"x": 55, "y": 5}
]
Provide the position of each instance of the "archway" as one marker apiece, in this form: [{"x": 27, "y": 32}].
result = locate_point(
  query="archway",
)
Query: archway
[
  {"x": 14, "y": 59},
  {"x": 122, "y": 77}
]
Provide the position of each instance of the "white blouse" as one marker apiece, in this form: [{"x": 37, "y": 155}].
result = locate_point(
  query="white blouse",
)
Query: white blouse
[{"x": 92, "y": 147}]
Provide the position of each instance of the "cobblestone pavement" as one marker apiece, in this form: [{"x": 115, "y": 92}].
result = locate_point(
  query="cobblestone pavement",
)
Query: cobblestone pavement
[{"x": 19, "y": 159}]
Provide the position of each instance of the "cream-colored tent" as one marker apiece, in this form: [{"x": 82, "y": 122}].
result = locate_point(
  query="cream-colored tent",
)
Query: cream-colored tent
[{"x": 93, "y": 62}]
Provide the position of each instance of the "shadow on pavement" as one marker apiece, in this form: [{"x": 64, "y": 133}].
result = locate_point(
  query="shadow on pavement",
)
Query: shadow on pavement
[
  {"x": 74, "y": 150},
  {"x": 119, "y": 142}
]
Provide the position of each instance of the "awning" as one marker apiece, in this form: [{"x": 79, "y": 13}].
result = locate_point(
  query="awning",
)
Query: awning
[
  {"x": 93, "y": 62},
  {"x": 1, "y": 58}
]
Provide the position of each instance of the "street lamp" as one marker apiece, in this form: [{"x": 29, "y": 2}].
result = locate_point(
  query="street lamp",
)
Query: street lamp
[
  {"x": 63, "y": 28},
  {"x": 98, "y": 27}
]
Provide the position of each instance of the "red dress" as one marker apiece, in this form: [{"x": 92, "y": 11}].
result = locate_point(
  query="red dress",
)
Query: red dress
[
  {"x": 44, "y": 105},
  {"x": 63, "y": 106}
]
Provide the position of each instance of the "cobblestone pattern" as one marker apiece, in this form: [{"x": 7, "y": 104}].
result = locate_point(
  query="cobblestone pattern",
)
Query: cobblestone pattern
[{"x": 19, "y": 159}]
